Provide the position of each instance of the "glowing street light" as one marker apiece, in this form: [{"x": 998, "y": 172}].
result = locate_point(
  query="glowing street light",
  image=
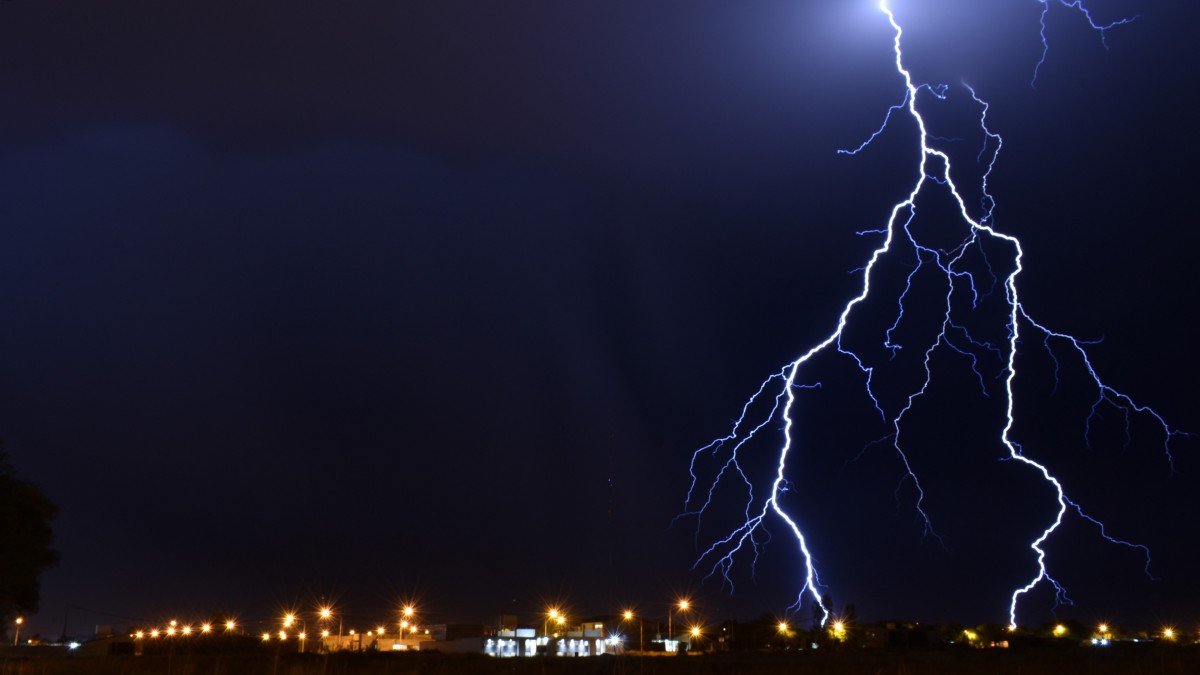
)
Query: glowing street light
[
  {"x": 551, "y": 615},
  {"x": 683, "y": 605},
  {"x": 407, "y": 622},
  {"x": 628, "y": 616},
  {"x": 17, "y": 638},
  {"x": 1060, "y": 630},
  {"x": 288, "y": 620},
  {"x": 325, "y": 616},
  {"x": 230, "y": 625}
]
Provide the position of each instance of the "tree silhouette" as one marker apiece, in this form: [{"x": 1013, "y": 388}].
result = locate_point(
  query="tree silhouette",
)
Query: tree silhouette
[{"x": 26, "y": 540}]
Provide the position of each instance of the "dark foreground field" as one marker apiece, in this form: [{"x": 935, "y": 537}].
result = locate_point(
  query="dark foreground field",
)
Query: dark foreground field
[{"x": 980, "y": 662}]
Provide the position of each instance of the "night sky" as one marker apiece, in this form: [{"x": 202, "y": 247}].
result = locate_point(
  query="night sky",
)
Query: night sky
[{"x": 378, "y": 301}]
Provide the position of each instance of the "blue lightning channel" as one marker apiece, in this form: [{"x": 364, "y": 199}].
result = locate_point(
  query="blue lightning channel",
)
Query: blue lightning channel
[
  {"x": 780, "y": 388},
  {"x": 1080, "y": 8}
]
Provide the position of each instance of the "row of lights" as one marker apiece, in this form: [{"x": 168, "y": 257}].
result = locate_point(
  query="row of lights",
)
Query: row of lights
[
  {"x": 288, "y": 622},
  {"x": 173, "y": 628},
  {"x": 837, "y": 628},
  {"x": 1102, "y": 636}
]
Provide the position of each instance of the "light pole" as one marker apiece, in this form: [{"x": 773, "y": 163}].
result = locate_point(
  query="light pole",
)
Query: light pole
[
  {"x": 407, "y": 621},
  {"x": 324, "y": 615},
  {"x": 551, "y": 615},
  {"x": 289, "y": 621},
  {"x": 17, "y": 638},
  {"x": 683, "y": 607},
  {"x": 641, "y": 625}
]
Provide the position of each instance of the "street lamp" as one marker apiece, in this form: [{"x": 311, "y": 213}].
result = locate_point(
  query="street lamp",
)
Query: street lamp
[
  {"x": 683, "y": 606},
  {"x": 551, "y": 615},
  {"x": 17, "y": 639},
  {"x": 628, "y": 616},
  {"x": 324, "y": 616},
  {"x": 838, "y": 630},
  {"x": 407, "y": 622},
  {"x": 696, "y": 633}
]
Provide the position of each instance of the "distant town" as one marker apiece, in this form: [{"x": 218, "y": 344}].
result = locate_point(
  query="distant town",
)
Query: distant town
[{"x": 558, "y": 633}]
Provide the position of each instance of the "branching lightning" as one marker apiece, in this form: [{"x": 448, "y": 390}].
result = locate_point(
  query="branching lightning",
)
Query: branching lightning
[{"x": 964, "y": 269}]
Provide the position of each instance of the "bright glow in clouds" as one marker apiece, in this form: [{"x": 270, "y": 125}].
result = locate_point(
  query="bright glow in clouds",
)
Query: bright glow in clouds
[{"x": 979, "y": 258}]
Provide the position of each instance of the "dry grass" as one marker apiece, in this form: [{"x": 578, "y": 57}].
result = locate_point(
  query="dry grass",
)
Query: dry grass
[{"x": 996, "y": 662}]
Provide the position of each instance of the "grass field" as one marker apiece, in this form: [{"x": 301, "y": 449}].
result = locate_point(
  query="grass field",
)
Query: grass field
[{"x": 1168, "y": 661}]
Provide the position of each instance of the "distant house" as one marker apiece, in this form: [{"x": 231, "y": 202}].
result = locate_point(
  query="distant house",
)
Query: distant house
[{"x": 585, "y": 640}]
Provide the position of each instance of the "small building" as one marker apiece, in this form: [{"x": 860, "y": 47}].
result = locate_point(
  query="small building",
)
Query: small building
[{"x": 587, "y": 640}]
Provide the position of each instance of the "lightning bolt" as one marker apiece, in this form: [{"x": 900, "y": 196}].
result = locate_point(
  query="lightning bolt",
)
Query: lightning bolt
[{"x": 969, "y": 276}]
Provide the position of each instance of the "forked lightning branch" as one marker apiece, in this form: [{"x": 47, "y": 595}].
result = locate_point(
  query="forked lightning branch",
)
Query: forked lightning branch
[{"x": 979, "y": 251}]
